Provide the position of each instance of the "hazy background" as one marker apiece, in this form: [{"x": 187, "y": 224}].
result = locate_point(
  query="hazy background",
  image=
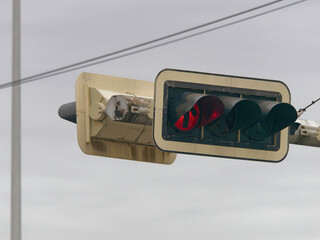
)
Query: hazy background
[{"x": 69, "y": 195}]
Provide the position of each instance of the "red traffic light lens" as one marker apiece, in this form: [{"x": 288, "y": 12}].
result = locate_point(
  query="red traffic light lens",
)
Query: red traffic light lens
[
  {"x": 206, "y": 110},
  {"x": 211, "y": 109},
  {"x": 189, "y": 120}
]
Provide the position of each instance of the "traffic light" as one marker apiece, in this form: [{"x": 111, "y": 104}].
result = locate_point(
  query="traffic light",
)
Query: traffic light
[
  {"x": 114, "y": 118},
  {"x": 219, "y": 115}
]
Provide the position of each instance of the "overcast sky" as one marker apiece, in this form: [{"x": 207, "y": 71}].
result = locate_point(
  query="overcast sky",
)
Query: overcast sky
[{"x": 69, "y": 195}]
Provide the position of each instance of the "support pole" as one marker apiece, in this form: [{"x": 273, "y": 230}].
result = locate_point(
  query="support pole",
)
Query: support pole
[{"x": 16, "y": 128}]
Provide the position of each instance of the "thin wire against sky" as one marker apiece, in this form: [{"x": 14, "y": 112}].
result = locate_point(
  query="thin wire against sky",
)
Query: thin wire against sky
[{"x": 93, "y": 61}]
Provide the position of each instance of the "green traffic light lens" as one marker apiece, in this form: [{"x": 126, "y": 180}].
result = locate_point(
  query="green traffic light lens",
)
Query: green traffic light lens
[{"x": 262, "y": 129}]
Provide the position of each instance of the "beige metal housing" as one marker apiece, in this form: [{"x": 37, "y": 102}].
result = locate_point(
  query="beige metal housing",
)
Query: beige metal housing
[
  {"x": 217, "y": 80},
  {"x": 307, "y": 133},
  {"x": 100, "y": 135}
]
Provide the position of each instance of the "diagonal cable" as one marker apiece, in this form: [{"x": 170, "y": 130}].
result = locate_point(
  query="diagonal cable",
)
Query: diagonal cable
[{"x": 93, "y": 61}]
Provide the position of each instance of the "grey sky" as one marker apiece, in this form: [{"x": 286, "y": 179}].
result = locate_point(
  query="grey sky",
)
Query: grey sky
[{"x": 70, "y": 195}]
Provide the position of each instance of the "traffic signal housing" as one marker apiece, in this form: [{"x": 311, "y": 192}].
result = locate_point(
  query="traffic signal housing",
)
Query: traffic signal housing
[
  {"x": 114, "y": 118},
  {"x": 219, "y": 115}
]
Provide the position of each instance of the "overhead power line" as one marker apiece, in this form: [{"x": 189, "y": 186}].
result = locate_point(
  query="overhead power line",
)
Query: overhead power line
[
  {"x": 302, "y": 110},
  {"x": 128, "y": 51}
]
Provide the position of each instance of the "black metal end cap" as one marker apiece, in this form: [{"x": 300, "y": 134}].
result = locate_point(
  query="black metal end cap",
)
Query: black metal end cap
[{"x": 68, "y": 112}]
